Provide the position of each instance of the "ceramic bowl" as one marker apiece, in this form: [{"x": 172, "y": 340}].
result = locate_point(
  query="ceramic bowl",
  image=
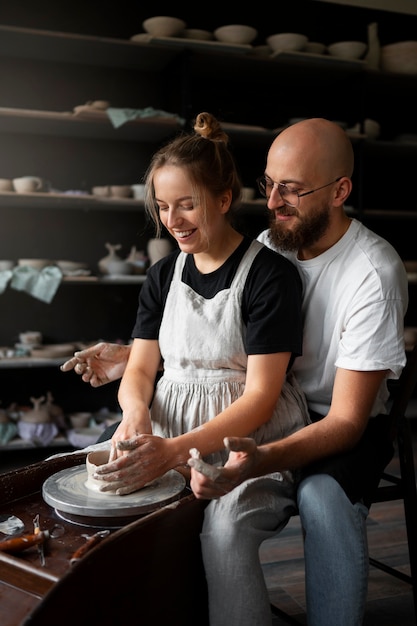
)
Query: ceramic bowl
[
  {"x": 121, "y": 191},
  {"x": 71, "y": 266},
  {"x": 198, "y": 34},
  {"x": 37, "y": 264},
  {"x": 103, "y": 191},
  {"x": 80, "y": 419},
  {"x": 400, "y": 57},
  {"x": 164, "y": 26},
  {"x": 53, "y": 351},
  {"x": 6, "y": 265},
  {"x": 287, "y": 41},
  {"x": 236, "y": 33},
  {"x": 347, "y": 49}
]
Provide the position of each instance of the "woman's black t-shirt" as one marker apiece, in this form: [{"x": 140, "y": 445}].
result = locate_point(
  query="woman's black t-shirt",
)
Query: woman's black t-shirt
[{"x": 271, "y": 299}]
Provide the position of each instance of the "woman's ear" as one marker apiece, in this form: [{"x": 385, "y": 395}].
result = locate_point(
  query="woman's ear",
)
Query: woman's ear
[{"x": 226, "y": 201}]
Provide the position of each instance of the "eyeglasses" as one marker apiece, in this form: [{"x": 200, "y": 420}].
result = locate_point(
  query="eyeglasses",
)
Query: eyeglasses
[{"x": 290, "y": 197}]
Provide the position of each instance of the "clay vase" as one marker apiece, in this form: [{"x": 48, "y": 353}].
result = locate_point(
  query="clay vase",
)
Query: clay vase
[
  {"x": 103, "y": 264},
  {"x": 158, "y": 249},
  {"x": 39, "y": 414},
  {"x": 36, "y": 425}
]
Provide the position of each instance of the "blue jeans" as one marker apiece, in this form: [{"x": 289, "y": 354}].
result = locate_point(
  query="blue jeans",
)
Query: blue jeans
[
  {"x": 336, "y": 552},
  {"x": 335, "y": 549}
]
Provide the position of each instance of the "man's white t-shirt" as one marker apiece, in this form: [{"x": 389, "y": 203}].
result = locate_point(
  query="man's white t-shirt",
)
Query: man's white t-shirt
[{"x": 355, "y": 296}]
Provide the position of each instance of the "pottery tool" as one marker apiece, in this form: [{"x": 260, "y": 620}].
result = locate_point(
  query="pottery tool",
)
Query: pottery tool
[
  {"x": 92, "y": 540},
  {"x": 23, "y": 542},
  {"x": 37, "y": 531}
]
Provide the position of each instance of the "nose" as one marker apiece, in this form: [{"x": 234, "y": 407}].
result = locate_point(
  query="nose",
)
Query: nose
[
  {"x": 172, "y": 218},
  {"x": 275, "y": 199}
]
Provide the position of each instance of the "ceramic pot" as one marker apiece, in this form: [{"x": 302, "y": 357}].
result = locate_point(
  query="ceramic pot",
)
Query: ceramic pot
[
  {"x": 158, "y": 249},
  {"x": 103, "y": 264},
  {"x": 92, "y": 461}
]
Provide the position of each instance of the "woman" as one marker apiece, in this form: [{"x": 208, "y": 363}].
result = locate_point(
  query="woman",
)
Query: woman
[{"x": 223, "y": 313}]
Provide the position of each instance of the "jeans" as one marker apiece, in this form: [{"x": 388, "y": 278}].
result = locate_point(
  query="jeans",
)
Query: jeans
[
  {"x": 234, "y": 527},
  {"x": 335, "y": 551}
]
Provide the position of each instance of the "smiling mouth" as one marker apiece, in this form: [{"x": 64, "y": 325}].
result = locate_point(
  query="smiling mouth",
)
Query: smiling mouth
[{"x": 184, "y": 233}]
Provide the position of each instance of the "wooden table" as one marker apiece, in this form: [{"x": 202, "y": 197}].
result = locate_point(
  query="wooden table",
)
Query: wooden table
[{"x": 148, "y": 572}]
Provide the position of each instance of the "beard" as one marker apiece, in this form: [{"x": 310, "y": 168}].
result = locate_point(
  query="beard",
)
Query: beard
[{"x": 309, "y": 229}]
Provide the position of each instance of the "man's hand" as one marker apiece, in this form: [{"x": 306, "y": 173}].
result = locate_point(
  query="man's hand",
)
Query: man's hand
[
  {"x": 99, "y": 364},
  {"x": 208, "y": 482}
]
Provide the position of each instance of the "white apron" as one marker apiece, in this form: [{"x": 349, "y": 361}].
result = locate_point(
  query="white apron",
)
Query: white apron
[{"x": 202, "y": 344}]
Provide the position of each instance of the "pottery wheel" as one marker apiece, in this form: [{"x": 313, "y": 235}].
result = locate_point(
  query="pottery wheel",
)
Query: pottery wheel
[{"x": 67, "y": 493}]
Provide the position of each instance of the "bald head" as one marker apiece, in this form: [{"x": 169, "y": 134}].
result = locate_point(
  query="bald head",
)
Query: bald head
[{"x": 313, "y": 149}]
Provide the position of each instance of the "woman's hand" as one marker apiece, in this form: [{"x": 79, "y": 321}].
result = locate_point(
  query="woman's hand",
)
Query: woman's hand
[{"x": 145, "y": 457}]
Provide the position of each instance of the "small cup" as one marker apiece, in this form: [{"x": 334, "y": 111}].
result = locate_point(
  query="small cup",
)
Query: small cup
[
  {"x": 31, "y": 338},
  {"x": 6, "y": 184},
  {"x": 103, "y": 191},
  {"x": 138, "y": 192},
  {"x": 28, "y": 184},
  {"x": 248, "y": 194}
]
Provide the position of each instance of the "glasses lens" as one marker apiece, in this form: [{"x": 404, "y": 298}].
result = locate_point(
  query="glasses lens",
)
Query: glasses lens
[
  {"x": 289, "y": 197},
  {"x": 262, "y": 186}
]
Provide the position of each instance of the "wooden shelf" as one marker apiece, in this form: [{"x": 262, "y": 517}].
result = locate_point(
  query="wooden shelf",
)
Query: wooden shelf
[
  {"x": 85, "y": 126},
  {"x": 43, "y": 45},
  {"x": 41, "y": 200}
]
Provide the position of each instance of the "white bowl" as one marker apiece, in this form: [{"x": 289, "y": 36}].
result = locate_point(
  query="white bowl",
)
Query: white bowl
[
  {"x": 71, "y": 266},
  {"x": 236, "y": 33},
  {"x": 6, "y": 265},
  {"x": 347, "y": 49},
  {"x": 121, "y": 191},
  {"x": 37, "y": 264},
  {"x": 400, "y": 57},
  {"x": 164, "y": 26},
  {"x": 198, "y": 34},
  {"x": 287, "y": 41}
]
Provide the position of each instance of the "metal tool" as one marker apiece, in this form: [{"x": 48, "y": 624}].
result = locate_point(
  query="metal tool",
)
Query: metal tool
[
  {"x": 37, "y": 530},
  {"x": 92, "y": 540}
]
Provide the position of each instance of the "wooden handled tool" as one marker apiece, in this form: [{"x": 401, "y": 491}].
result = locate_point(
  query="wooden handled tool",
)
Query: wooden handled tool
[
  {"x": 90, "y": 543},
  {"x": 18, "y": 544}
]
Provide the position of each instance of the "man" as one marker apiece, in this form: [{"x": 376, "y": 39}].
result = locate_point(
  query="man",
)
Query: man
[{"x": 354, "y": 303}]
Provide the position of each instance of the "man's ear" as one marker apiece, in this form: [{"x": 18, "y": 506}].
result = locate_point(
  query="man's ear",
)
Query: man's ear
[{"x": 344, "y": 187}]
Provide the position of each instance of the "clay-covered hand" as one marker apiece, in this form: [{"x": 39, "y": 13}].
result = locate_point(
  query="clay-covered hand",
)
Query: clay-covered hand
[
  {"x": 208, "y": 482},
  {"x": 146, "y": 457},
  {"x": 99, "y": 364}
]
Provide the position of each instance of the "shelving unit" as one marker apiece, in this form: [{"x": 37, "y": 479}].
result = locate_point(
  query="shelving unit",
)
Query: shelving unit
[{"x": 46, "y": 74}]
